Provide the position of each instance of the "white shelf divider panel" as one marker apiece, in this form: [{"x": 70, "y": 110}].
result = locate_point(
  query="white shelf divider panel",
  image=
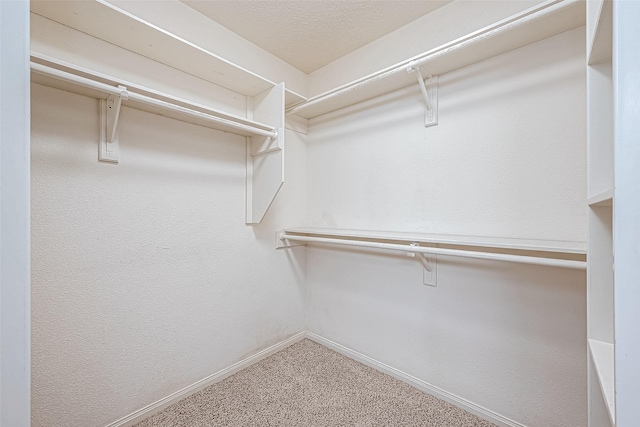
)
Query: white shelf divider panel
[
  {"x": 602, "y": 357},
  {"x": 121, "y": 28},
  {"x": 537, "y": 23},
  {"x": 265, "y": 156}
]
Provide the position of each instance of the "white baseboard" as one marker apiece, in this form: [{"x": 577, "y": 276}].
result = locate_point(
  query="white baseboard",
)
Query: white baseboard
[
  {"x": 471, "y": 407},
  {"x": 161, "y": 404}
]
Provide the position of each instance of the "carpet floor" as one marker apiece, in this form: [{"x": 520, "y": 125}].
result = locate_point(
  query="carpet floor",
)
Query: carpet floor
[{"x": 308, "y": 384}]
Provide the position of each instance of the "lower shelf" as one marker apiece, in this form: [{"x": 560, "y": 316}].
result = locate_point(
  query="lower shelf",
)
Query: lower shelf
[
  {"x": 602, "y": 357},
  {"x": 601, "y": 199}
]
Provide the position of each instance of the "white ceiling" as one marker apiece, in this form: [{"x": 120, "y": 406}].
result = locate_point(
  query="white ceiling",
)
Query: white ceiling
[{"x": 309, "y": 34}]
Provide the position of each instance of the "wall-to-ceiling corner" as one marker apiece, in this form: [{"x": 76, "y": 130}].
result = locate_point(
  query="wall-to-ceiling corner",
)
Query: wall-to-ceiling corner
[{"x": 443, "y": 25}]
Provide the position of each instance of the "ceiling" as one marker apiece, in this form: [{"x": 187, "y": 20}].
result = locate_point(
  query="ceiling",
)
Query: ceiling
[{"x": 310, "y": 34}]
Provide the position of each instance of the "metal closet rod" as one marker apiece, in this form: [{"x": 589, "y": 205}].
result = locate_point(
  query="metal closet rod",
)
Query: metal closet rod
[
  {"x": 483, "y": 34},
  {"x": 522, "y": 259},
  {"x": 132, "y": 96}
]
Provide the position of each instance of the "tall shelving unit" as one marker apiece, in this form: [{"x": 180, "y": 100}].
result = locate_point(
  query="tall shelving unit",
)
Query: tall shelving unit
[
  {"x": 600, "y": 190},
  {"x": 613, "y": 266}
]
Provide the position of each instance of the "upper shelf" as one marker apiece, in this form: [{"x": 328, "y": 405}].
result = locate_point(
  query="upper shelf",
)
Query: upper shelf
[
  {"x": 116, "y": 26},
  {"x": 601, "y": 32},
  {"x": 201, "y": 111},
  {"x": 537, "y": 23},
  {"x": 549, "y": 246}
]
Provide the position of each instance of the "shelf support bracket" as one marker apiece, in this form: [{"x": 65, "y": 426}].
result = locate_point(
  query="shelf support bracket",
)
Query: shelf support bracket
[
  {"x": 282, "y": 243},
  {"x": 429, "y": 89},
  {"x": 430, "y": 264},
  {"x": 109, "y": 116}
]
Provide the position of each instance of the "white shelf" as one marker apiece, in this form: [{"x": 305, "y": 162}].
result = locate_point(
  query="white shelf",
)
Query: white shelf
[
  {"x": 600, "y": 36},
  {"x": 535, "y": 24},
  {"x": 602, "y": 356},
  {"x": 552, "y": 246},
  {"x": 116, "y": 26},
  {"x": 604, "y": 198},
  {"x": 112, "y": 81}
]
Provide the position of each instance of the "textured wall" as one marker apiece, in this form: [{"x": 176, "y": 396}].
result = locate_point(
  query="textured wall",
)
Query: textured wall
[
  {"x": 507, "y": 159},
  {"x": 145, "y": 277}
]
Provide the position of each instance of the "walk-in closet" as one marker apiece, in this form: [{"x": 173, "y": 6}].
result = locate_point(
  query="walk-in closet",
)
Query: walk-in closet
[{"x": 320, "y": 213}]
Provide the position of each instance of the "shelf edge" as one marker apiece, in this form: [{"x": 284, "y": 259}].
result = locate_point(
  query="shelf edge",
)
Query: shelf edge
[
  {"x": 604, "y": 198},
  {"x": 574, "y": 248},
  {"x": 602, "y": 356}
]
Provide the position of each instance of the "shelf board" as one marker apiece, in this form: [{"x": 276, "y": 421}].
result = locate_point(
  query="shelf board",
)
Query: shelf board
[
  {"x": 602, "y": 355},
  {"x": 601, "y": 43},
  {"x": 552, "y": 246},
  {"x": 535, "y": 24},
  {"x": 116, "y": 26},
  {"x": 104, "y": 78},
  {"x": 602, "y": 199}
]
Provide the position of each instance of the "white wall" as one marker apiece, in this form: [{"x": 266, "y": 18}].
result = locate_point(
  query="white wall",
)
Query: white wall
[
  {"x": 145, "y": 277},
  {"x": 507, "y": 159},
  {"x": 14, "y": 214}
]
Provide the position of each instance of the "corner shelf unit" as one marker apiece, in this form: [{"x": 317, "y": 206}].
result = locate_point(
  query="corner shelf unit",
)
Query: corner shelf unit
[
  {"x": 600, "y": 202},
  {"x": 537, "y": 23}
]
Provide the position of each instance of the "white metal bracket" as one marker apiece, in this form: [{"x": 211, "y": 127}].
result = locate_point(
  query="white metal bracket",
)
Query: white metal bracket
[
  {"x": 269, "y": 145},
  {"x": 429, "y": 89},
  {"x": 430, "y": 264},
  {"x": 109, "y": 116}
]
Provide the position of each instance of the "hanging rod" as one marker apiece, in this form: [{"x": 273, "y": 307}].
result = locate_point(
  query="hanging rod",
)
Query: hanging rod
[
  {"x": 522, "y": 259},
  {"x": 132, "y": 96},
  {"x": 470, "y": 40}
]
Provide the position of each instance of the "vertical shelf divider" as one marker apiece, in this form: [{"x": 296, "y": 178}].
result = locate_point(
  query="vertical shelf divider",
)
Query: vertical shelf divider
[{"x": 265, "y": 155}]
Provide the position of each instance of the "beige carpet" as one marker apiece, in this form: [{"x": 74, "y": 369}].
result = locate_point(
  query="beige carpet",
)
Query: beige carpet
[{"x": 307, "y": 384}]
